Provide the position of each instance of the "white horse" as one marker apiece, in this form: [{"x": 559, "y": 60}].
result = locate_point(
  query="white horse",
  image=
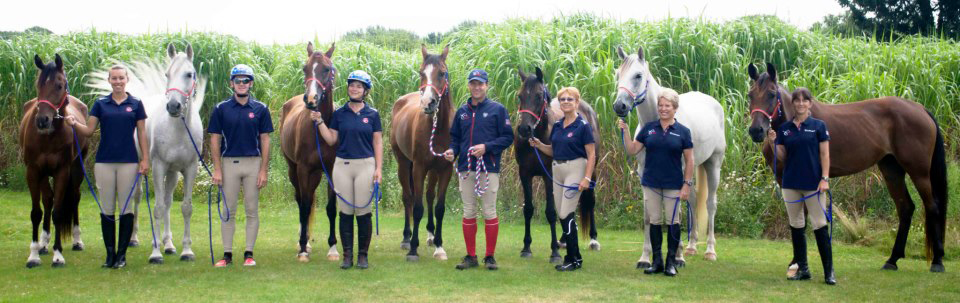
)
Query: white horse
[
  {"x": 171, "y": 96},
  {"x": 702, "y": 114}
]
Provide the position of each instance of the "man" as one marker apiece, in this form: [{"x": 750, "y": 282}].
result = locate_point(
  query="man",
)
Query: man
[
  {"x": 241, "y": 125},
  {"x": 481, "y": 131}
]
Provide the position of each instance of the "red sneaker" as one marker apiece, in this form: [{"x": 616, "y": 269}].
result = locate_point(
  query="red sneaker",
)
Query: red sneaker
[
  {"x": 223, "y": 263},
  {"x": 249, "y": 262}
]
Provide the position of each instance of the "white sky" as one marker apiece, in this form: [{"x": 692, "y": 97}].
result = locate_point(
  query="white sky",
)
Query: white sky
[{"x": 288, "y": 21}]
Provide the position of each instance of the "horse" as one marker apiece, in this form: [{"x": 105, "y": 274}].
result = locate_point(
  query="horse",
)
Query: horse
[
  {"x": 703, "y": 115},
  {"x": 51, "y": 150},
  {"x": 541, "y": 113},
  {"x": 414, "y": 135},
  {"x": 899, "y": 136},
  {"x": 298, "y": 141},
  {"x": 172, "y": 97}
]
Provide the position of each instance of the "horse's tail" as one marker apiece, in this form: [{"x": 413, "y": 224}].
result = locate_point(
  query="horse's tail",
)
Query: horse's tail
[
  {"x": 938, "y": 180},
  {"x": 587, "y": 208},
  {"x": 66, "y": 209}
]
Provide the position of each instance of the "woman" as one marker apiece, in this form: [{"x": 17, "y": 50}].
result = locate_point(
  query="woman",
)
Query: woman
[
  {"x": 666, "y": 180},
  {"x": 356, "y": 126},
  {"x": 116, "y": 161},
  {"x": 574, "y": 156},
  {"x": 803, "y": 145}
]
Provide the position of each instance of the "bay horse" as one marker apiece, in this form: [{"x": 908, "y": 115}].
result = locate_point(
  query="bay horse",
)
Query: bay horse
[
  {"x": 541, "y": 113},
  {"x": 703, "y": 115},
  {"x": 298, "y": 142},
  {"x": 899, "y": 136},
  {"x": 49, "y": 149},
  {"x": 419, "y": 132},
  {"x": 172, "y": 94}
]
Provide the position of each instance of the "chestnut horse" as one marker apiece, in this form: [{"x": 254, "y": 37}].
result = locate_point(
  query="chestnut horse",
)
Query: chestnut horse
[
  {"x": 299, "y": 144},
  {"x": 49, "y": 150},
  {"x": 541, "y": 114},
  {"x": 420, "y": 130},
  {"x": 897, "y": 135}
]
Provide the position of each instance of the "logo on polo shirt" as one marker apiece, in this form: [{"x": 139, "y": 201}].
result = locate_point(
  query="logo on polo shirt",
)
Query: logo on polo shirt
[
  {"x": 129, "y": 109},
  {"x": 507, "y": 121},
  {"x": 828, "y": 132},
  {"x": 786, "y": 132},
  {"x": 485, "y": 115},
  {"x": 463, "y": 116},
  {"x": 570, "y": 135},
  {"x": 365, "y": 120},
  {"x": 251, "y": 115},
  {"x": 652, "y": 132}
]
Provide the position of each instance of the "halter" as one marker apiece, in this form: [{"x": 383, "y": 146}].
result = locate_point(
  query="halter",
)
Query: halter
[
  {"x": 323, "y": 88},
  {"x": 440, "y": 92},
  {"x": 66, "y": 92},
  {"x": 776, "y": 110},
  {"x": 543, "y": 110},
  {"x": 187, "y": 95},
  {"x": 637, "y": 98}
]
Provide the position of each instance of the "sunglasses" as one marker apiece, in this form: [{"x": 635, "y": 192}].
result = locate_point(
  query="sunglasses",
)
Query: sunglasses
[
  {"x": 242, "y": 81},
  {"x": 567, "y": 99}
]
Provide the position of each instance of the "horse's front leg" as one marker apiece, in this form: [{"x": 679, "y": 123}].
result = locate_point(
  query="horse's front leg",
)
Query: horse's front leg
[
  {"x": 528, "y": 209},
  {"x": 332, "y": 254},
  {"x": 159, "y": 190},
  {"x": 442, "y": 182},
  {"x": 60, "y": 218},
  {"x": 431, "y": 194},
  {"x": 186, "y": 209},
  {"x": 419, "y": 173},
  {"x": 551, "y": 212},
  {"x": 36, "y": 215}
]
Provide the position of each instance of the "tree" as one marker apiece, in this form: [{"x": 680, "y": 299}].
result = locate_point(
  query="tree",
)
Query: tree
[
  {"x": 395, "y": 39},
  {"x": 905, "y": 17},
  {"x": 35, "y": 29}
]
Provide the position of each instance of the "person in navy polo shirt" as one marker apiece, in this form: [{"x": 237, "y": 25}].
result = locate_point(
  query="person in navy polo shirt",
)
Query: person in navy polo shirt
[
  {"x": 666, "y": 179},
  {"x": 481, "y": 131},
  {"x": 803, "y": 144},
  {"x": 121, "y": 115},
  {"x": 356, "y": 126},
  {"x": 574, "y": 157},
  {"x": 240, "y": 130}
]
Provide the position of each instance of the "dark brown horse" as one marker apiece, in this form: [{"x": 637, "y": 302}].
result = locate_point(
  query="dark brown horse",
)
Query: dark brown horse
[
  {"x": 537, "y": 114},
  {"x": 298, "y": 140},
  {"x": 49, "y": 151},
  {"x": 897, "y": 135},
  {"x": 419, "y": 120}
]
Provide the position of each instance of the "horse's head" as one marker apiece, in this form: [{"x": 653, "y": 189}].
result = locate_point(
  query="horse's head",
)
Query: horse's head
[
  {"x": 633, "y": 82},
  {"x": 318, "y": 76},
  {"x": 767, "y": 100},
  {"x": 51, "y": 93},
  {"x": 181, "y": 81},
  {"x": 434, "y": 80},
  {"x": 533, "y": 99}
]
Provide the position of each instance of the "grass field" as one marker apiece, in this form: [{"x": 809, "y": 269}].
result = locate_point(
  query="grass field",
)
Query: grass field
[{"x": 747, "y": 270}]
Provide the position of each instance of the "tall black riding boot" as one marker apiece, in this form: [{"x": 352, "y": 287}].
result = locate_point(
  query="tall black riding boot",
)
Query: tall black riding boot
[
  {"x": 656, "y": 241},
  {"x": 126, "y": 229},
  {"x": 799, "y": 239},
  {"x": 108, "y": 227},
  {"x": 572, "y": 261},
  {"x": 826, "y": 253},
  {"x": 346, "y": 237},
  {"x": 673, "y": 241},
  {"x": 364, "y": 235}
]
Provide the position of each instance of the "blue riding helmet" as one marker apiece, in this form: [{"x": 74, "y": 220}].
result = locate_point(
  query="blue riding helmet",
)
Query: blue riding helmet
[
  {"x": 241, "y": 70},
  {"x": 362, "y": 76}
]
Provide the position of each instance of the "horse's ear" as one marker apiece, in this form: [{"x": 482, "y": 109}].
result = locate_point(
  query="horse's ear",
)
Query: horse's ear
[
  {"x": 640, "y": 53},
  {"x": 171, "y": 51},
  {"x": 423, "y": 50},
  {"x": 59, "y": 62},
  {"x": 540, "y": 75},
  {"x": 309, "y": 49},
  {"x": 752, "y": 71},
  {"x": 620, "y": 53},
  {"x": 189, "y": 51},
  {"x": 521, "y": 74},
  {"x": 772, "y": 72},
  {"x": 38, "y": 61},
  {"x": 333, "y": 46},
  {"x": 443, "y": 55}
]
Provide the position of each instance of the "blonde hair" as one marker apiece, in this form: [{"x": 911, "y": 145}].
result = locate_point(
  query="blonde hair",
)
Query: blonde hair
[
  {"x": 569, "y": 90},
  {"x": 121, "y": 67},
  {"x": 671, "y": 96}
]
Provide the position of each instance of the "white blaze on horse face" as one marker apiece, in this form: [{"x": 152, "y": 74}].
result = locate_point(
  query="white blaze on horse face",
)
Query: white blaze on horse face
[
  {"x": 312, "y": 86},
  {"x": 428, "y": 94}
]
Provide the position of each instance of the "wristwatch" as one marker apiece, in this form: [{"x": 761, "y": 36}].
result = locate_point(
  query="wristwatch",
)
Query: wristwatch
[
  {"x": 688, "y": 182},
  {"x": 826, "y": 179}
]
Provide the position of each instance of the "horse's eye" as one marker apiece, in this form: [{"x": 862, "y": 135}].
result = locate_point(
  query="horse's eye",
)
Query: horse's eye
[
  {"x": 188, "y": 76},
  {"x": 638, "y": 76}
]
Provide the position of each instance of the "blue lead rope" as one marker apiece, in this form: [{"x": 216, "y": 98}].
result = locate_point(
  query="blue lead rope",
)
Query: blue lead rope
[
  {"x": 826, "y": 212},
  {"x": 376, "y": 185},
  {"x": 209, "y": 193},
  {"x": 569, "y": 191}
]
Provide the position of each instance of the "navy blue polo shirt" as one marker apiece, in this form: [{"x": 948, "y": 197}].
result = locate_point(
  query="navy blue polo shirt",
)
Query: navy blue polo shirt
[
  {"x": 118, "y": 124},
  {"x": 355, "y": 131},
  {"x": 802, "y": 170},
  {"x": 240, "y": 126},
  {"x": 487, "y": 123},
  {"x": 663, "y": 167},
  {"x": 570, "y": 142}
]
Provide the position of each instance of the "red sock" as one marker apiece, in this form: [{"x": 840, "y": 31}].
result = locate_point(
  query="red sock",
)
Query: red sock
[
  {"x": 491, "y": 229},
  {"x": 470, "y": 235}
]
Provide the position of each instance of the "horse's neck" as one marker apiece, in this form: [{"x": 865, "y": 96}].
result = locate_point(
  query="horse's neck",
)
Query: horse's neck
[
  {"x": 444, "y": 113},
  {"x": 326, "y": 106}
]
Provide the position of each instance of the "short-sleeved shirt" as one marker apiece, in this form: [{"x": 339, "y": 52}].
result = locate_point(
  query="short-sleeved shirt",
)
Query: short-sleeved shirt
[
  {"x": 240, "y": 126},
  {"x": 487, "y": 123},
  {"x": 355, "y": 131},
  {"x": 802, "y": 170},
  {"x": 118, "y": 124},
  {"x": 570, "y": 142},
  {"x": 663, "y": 167}
]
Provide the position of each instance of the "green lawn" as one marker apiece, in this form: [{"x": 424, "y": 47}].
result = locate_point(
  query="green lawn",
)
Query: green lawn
[{"x": 747, "y": 270}]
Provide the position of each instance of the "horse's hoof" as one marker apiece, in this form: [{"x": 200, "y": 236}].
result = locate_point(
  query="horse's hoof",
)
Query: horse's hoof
[
  {"x": 58, "y": 264},
  {"x": 556, "y": 260},
  {"x": 429, "y": 241},
  {"x": 169, "y": 251},
  {"x": 690, "y": 252},
  {"x": 188, "y": 258},
  {"x": 133, "y": 243},
  {"x": 888, "y": 266},
  {"x": 594, "y": 245},
  {"x": 563, "y": 244},
  {"x": 679, "y": 263},
  {"x": 643, "y": 265},
  {"x": 77, "y": 246},
  {"x": 333, "y": 257},
  {"x": 792, "y": 270},
  {"x": 413, "y": 258},
  {"x": 440, "y": 254},
  {"x": 937, "y": 268},
  {"x": 156, "y": 260},
  {"x": 303, "y": 257},
  {"x": 710, "y": 256},
  {"x": 405, "y": 245},
  {"x": 43, "y": 251},
  {"x": 526, "y": 254},
  {"x": 33, "y": 263}
]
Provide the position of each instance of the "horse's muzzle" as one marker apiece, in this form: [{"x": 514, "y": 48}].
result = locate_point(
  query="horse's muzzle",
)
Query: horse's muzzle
[
  {"x": 174, "y": 108},
  {"x": 44, "y": 124},
  {"x": 525, "y": 131},
  {"x": 621, "y": 109},
  {"x": 756, "y": 134}
]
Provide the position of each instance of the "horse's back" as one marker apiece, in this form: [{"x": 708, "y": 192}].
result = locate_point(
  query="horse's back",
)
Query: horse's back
[
  {"x": 703, "y": 115},
  {"x": 288, "y": 133}
]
